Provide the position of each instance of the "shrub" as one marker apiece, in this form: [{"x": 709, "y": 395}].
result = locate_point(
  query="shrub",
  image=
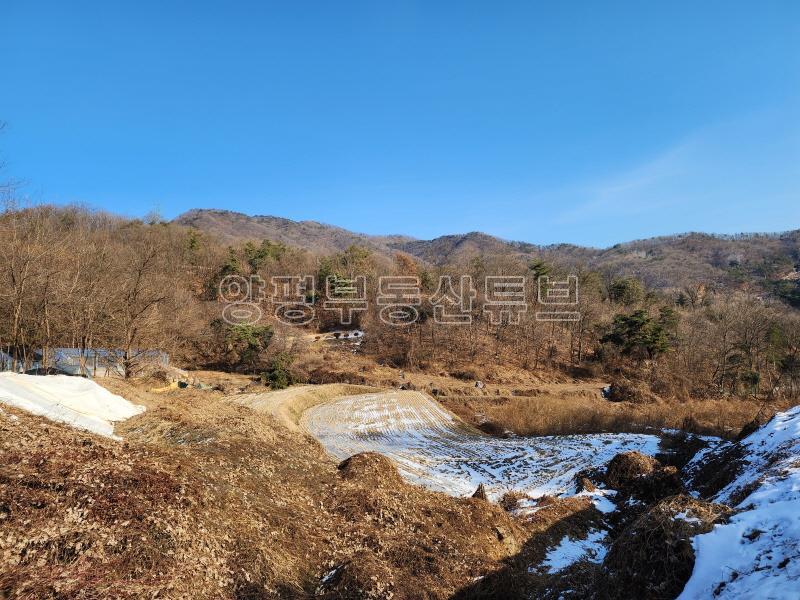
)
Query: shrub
[
  {"x": 626, "y": 290},
  {"x": 242, "y": 345},
  {"x": 279, "y": 374}
]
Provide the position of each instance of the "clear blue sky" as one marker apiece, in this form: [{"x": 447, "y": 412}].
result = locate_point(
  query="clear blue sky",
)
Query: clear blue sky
[{"x": 587, "y": 122}]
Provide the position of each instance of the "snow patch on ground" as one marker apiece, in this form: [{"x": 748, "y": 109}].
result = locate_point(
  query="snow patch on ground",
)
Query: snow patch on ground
[
  {"x": 600, "y": 499},
  {"x": 75, "y": 401},
  {"x": 757, "y": 553},
  {"x": 569, "y": 551},
  {"x": 685, "y": 516}
]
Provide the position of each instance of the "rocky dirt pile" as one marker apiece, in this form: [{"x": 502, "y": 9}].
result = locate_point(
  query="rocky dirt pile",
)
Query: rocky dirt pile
[{"x": 373, "y": 467}]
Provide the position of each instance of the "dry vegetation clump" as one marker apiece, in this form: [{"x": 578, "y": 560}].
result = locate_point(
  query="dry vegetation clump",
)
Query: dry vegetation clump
[
  {"x": 653, "y": 556},
  {"x": 642, "y": 476},
  {"x": 420, "y": 540},
  {"x": 470, "y": 373},
  {"x": 522, "y": 576},
  {"x": 626, "y": 467},
  {"x": 364, "y": 576},
  {"x": 480, "y": 493},
  {"x": 625, "y": 390},
  {"x": 511, "y": 499}
]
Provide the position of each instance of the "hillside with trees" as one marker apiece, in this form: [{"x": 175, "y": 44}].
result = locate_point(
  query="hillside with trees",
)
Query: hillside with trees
[
  {"x": 766, "y": 263},
  {"x": 80, "y": 279}
]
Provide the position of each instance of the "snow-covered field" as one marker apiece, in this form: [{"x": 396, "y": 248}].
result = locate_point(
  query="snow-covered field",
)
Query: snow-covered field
[
  {"x": 756, "y": 554},
  {"x": 433, "y": 448},
  {"x": 75, "y": 401}
]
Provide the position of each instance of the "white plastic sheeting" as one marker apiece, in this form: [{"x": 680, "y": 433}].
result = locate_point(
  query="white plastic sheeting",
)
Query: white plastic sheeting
[{"x": 75, "y": 401}]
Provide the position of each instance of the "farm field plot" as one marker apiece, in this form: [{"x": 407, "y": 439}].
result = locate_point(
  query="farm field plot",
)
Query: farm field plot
[{"x": 433, "y": 448}]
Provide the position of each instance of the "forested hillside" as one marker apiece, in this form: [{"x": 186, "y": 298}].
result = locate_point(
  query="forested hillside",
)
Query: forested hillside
[
  {"x": 764, "y": 263},
  {"x": 81, "y": 279}
]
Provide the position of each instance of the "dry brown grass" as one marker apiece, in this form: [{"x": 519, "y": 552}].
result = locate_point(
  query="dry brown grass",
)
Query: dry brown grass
[
  {"x": 207, "y": 498},
  {"x": 653, "y": 556},
  {"x": 332, "y": 364},
  {"x": 642, "y": 476},
  {"x": 213, "y": 495},
  {"x": 541, "y": 403},
  {"x": 511, "y": 499},
  {"x": 571, "y": 413},
  {"x": 91, "y": 518}
]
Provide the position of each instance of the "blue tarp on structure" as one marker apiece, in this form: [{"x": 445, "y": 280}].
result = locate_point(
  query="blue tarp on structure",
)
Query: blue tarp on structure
[
  {"x": 92, "y": 362},
  {"x": 6, "y": 361}
]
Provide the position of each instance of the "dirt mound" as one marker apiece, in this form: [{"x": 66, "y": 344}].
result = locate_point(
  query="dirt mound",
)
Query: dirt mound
[
  {"x": 418, "y": 539},
  {"x": 626, "y": 467},
  {"x": 642, "y": 476},
  {"x": 89, "y": 517},
  {"x": 527, "y": 574},
  {"x": 370, "y": 468},
  {"x": 625, "y": 390},
  {"x": 289, "y": 404},
  {"x": 653, "y": 557}
]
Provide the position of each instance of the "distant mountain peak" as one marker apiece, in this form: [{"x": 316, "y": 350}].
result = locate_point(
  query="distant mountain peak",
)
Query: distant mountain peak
[{"x": 319, "y": 238}]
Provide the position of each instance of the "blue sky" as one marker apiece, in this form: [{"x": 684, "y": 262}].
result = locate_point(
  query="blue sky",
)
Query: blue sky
[{"x": 583, "y": 122}]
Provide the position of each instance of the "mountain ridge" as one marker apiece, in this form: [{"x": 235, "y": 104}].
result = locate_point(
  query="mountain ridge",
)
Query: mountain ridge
[{"x": 662, "y": 262}]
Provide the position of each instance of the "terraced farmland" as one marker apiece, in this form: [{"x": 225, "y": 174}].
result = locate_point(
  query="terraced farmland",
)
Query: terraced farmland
[{"x": 432, "y": 447}]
